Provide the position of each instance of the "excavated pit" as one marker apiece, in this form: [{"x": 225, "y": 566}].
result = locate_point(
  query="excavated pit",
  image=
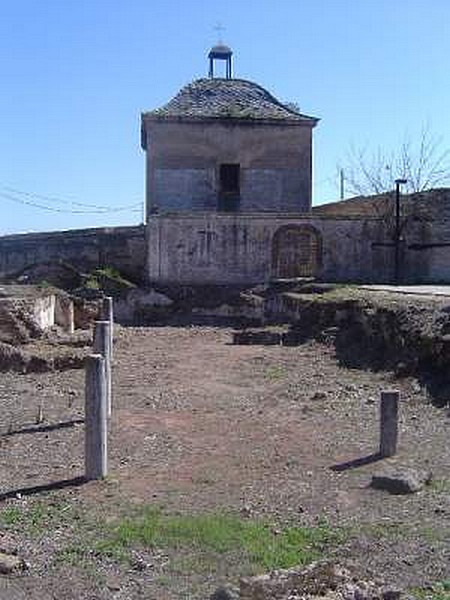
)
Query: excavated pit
[
  {"x": 407, "y": 334},
  {"x": 37, "y": 329},
  {"x": 378, "y": 330}
]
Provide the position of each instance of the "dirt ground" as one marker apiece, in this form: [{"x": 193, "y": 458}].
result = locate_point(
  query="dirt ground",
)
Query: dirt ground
[{"x": 201, "y": 424}]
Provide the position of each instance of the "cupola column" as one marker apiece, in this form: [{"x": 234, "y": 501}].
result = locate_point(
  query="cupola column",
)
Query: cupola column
[{"x": 224, "y": 53}]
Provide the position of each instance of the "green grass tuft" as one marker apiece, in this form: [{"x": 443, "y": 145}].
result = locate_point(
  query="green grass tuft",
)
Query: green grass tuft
[
  {"x": 439, "y": 486},
  {"x": 10, "y": 516},
  {"x": 221, "y": 534},
  {"x": 438, "y": 591},
  {"x": 37, "y": 518},
  {"x": 275, "y": 373},
  {"x": 206, "y": 540}
]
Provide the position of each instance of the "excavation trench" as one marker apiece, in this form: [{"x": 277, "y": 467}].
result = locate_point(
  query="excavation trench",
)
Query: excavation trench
[{"x": 409, "y": 335}]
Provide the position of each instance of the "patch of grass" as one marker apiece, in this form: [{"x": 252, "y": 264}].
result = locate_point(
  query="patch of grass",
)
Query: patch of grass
[
  {"x": 10, "y": 516},
  {"x": 433, "y": 534},
  {"x": 439, "y": 486},
  {"x": 383, "y": 530},
  {"x": 163, "y": 580},
  {"x": 400, "y": 531},
  {"x": 199, "y": 562},
  {"x": 44, "y": 285},
  {"x": 113, "y": 275},
  {"x": 92, "y": 283},
  {"x": 221, "y": 534},
  {"x": 275, "y": 373},
  {"x": 76, "y": 555},
  {"x": 106, "y": 278},
  {"x": 208, "y": 541},
  {"x": 205, "y": 479},
  {"x": 340, "y": 293},
  {"x": 37, "y": 518},
  {"x": 439, "y": 591},
  {"x": 79, "y": 556}
]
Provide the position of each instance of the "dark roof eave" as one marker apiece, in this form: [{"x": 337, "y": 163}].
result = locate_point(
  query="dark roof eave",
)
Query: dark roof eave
[{"x": 302, "y": 121}]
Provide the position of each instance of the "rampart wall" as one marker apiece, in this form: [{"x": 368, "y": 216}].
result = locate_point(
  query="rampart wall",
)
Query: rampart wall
[
  {"x": 238, "y": 249},
  {"x": 121, "y": 247},
  {"x": 217, "y": 248}
]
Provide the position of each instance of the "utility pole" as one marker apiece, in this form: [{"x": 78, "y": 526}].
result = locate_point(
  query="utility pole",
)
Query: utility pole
[
  {"x": 398, "y": 183},
  {"x": 341, "y": 183}
]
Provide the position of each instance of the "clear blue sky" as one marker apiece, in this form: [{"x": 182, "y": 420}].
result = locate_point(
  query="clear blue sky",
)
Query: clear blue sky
[{"x": 76, "y": 74}]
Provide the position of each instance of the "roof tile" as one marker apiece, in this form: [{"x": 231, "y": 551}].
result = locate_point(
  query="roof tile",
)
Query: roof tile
[{"x": 227, "y": 98}]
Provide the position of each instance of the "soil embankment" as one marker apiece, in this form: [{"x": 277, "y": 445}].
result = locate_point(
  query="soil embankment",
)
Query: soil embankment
[
  {"x": 409, "y": 335},
  {"x": 379, "y": 330}
]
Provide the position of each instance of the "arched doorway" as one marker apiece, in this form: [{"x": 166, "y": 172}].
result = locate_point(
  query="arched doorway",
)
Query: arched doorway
[{"x": 296, "y": 252}]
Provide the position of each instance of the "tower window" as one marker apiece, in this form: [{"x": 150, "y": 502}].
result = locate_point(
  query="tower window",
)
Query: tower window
[{"x": 229, "y": 178}]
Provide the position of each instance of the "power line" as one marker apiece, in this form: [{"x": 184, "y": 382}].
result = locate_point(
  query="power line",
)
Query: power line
[
  {"x": 98, "y": 211},
  {"x": 65, "y": 201}
]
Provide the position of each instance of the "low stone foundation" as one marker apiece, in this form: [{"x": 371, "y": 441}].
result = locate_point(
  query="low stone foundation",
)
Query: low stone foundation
[{"x": 27, "y": 311}]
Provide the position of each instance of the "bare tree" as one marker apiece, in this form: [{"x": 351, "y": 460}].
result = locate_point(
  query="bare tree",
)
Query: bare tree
[{"x": 425, "y": 164}]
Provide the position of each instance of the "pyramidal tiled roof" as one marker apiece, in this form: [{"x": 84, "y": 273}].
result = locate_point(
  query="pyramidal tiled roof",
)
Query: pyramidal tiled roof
[{"x": 227, "y": 98}]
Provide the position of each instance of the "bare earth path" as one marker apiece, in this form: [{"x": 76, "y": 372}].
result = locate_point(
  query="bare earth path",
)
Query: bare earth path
[{"x": 200, "y": 425}]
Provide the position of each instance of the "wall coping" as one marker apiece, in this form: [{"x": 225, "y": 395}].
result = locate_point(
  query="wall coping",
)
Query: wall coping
[
  {"x": 257, "y": 216},
  {"x": 71, "y": 233}
]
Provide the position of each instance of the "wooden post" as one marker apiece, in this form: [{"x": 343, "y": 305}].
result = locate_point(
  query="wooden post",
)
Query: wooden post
[
  {"x": 108, "y": 315},
  {"x": 102, "y": 342},
  {"x": 388, "y": 423},
  {"x": 95, "y": 427}
]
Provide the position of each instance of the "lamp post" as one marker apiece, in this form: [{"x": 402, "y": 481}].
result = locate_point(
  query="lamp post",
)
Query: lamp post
[{"x": 398, "y": 183}]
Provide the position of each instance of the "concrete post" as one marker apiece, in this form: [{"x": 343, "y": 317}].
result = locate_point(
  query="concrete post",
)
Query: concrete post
[
  {"x": 108, "y": 315},
  {"x": 71, "y": 318},
  {"x": 95, "y": 427},
  {"x": 102, "y": 343},
  {"x": 388, "y": 423}
]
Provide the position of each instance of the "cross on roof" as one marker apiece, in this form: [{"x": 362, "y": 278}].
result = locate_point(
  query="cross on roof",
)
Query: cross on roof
[{"x": 219, "y": 28}]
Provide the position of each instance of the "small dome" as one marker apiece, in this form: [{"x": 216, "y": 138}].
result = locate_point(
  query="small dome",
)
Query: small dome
[{"x": 220, "y": 51}]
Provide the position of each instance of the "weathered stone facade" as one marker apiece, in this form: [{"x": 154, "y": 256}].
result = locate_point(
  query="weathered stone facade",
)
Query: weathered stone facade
[
  {"x": 228, "y": 191},
  {"x": 121, "y": 247},
  {"x": 183, "y": 163},
  {"x": 227, "y": 123},
  {"x": 239, "y": 249},
  {"x": 27, "y": 311},
  {"x": 425, "y": 230}
]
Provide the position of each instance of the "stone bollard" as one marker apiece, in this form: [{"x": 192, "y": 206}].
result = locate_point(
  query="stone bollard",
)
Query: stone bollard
[
  {"x": 388, "y": 423},
  {"x": 95, "y": 427},
  {"x": 71, "y": 318},
  {"x": 108, "y": 315},
  {"x": 102, "y": 343}
]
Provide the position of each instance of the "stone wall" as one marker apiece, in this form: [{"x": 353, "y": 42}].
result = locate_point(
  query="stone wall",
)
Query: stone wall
[
  {"x": 121, "y": 247},
  {"x": 218, "y": 248},
  {"x": 231, "y": 249},
  {"x": 26, "y": 311},
  {"x": 54, "y": 309},
  {"x": 427, "y": 236},
  {"x": 183, "y": 162},
  {"x": 425, "y": 222},
  {"x": 44, "y": 311}
]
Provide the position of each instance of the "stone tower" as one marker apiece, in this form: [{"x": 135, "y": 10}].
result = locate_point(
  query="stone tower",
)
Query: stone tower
[{"x": 227, "y": 145}]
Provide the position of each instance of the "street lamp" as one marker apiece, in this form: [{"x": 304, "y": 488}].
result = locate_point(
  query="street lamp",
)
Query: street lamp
[{"x": 398, "y": 183}]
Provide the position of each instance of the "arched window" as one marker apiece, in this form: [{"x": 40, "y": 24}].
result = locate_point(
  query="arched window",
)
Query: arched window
[{"x": 296, "y": 252}]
